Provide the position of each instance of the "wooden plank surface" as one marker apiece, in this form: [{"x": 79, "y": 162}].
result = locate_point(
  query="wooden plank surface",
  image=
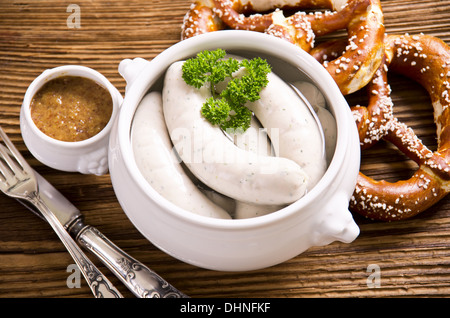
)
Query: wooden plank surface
[{"x": 413, "y": 256}]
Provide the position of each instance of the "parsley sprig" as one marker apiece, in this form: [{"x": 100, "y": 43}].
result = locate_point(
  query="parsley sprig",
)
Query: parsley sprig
[{"x": 227, "y": 108}]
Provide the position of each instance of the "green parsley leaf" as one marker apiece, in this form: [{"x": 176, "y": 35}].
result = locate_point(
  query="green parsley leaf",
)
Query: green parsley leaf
[
  {"x": 216, "y": 110},
  {"x": 227, "y": 109},
  {"x": 208, "y": 66}
]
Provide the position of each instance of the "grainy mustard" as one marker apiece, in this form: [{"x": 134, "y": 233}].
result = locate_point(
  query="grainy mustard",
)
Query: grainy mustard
[{"x": 71, "y": 108}]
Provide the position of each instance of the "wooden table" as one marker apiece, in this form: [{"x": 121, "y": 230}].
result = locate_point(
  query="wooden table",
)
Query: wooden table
[{"x": 413, "y": 256}]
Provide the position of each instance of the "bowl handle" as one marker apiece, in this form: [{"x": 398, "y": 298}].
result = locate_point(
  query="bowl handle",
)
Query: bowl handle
[
  {"x": 130, "y": 69},
  {"x": 335, "y": 223}
]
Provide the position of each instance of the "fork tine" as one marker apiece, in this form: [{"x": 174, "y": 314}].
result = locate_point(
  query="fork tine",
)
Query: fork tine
[
  {"x": 13, "y": 167},
  {"x": 5, "y": 171},
  {"x": 8, "y": 163},
  {"x": 14, "y": 152}
]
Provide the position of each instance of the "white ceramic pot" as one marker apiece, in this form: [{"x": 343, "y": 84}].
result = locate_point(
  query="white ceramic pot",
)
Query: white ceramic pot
[
  {"x": 319, "y": 218},
  {"x": 88, "y": 156}
]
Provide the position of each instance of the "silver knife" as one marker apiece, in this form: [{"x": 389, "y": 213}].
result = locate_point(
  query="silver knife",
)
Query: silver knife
[{"x": 139, "y": 279}]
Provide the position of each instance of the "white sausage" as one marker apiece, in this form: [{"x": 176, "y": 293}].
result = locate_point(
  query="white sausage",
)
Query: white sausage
[
  {"x": 254, "y": 139},
  {"x": 226, "y": 203},
  {"x": 215, "y": 160},
  {"x": 245, "y": 210},
  {"x": 318, "y": 102},
  {"x": 312, "y": 94},
  {"x": 281, "y": 111},
  {"x": 158, "y": 164}
]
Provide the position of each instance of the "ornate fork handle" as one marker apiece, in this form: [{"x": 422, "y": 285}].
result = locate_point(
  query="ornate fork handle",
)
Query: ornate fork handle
[
  {"x": 101, "y": 287},
  {"x": 141, "y": 280}
]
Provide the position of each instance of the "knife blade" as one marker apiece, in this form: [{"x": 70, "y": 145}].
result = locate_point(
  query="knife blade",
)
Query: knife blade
[{"x": 138, "y": 278}]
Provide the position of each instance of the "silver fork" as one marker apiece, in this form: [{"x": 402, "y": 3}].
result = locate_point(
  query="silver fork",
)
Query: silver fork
[{"x": 17, "y": 180}]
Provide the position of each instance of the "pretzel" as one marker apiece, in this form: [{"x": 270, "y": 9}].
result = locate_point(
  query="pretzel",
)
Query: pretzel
[
  {"x": 373, "y": 121},
  {"x": 203, "y": 16},
  {"x": 356, "y": 65},
  {"x": 425, "y": 59},
  {"x": 362, "y": 18}
]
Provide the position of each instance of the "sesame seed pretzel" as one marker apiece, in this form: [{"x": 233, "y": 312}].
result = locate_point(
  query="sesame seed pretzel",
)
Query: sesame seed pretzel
[
  {"x": 363, "y": 20},
  {"x": 425, "y": 59}
]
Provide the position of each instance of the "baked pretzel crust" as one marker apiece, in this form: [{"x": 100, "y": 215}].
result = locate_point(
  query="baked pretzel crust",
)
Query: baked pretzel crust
[{"x": 425, "y": 59}]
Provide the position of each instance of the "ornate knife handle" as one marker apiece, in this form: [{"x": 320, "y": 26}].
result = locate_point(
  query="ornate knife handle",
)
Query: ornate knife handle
[{"x": 141, "y": 280}]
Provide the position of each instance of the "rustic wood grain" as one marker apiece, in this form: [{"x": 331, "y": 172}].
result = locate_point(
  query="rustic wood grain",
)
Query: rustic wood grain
[{"x": 413, "y": 255}]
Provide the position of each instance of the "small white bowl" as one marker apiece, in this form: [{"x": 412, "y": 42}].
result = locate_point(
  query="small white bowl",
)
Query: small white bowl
[
  {"x": 318, "y": 218},
  {"x": 88, "y": 156}
]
